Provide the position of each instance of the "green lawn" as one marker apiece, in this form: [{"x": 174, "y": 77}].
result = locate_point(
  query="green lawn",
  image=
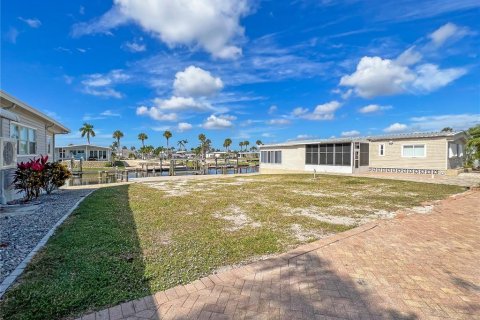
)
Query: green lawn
[{"x": 129, "y": 241}]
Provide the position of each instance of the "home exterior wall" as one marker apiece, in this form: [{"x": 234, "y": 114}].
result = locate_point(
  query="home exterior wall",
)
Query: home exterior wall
[
  {"x": 45, "y": 127},
  {"x": 293, "y": 160},
  {"x": 435, "y": 157},
  {"x": 35, "y": 122}
]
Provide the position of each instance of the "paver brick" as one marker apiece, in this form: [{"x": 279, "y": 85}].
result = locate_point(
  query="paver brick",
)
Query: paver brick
[{"x": 419, "y": 266}]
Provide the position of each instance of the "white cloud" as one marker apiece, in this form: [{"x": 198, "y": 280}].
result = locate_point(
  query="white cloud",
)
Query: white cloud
[
  {"x": 430, "y": 77},
  {"x": 102, "y": 84},
  {"x": 396, "y": 127},
  {"x": 438, "y": 122},
  {"x": 196, "y": 82},
  {"x": 212, "y": 25},
  {"x": 447, "y": 32},
  {"x": 299, "y": 111},
  {"x": 11, "y": 35},
  {"x": 272, "y": 109},
  {"x": 324, "y": 111},
  {"x": 110, "y": 113},
  {"x": 278, "y": 121},
  {"x": 156, "y": 114},
  {"x": 104, "y": 92},
  {"x": 218, "y": 122},
  {"x": 303, "y": 137},
  {"x": 381, "y": 77},
  {"x": 409, "y": 57},
  {"x": 102, "y": 115},
  {"x": 134, "y": 46},
  {"x": 184, "y": 126},
  {"x": 376, "y": 76},
  {"x": 371, "y": 108},
  {"x": 183, "y": 104},
  {"x": 352, "y": 133},
  {"x": 32, "y": 23}
]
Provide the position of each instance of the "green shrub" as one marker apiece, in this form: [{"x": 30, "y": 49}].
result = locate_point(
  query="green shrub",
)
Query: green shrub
[{"x": 37, "y": 174}]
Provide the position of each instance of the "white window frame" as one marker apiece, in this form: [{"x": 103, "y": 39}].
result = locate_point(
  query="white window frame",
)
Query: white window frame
[
  {"x": 20, "y": 125},
  {"x": 414, "y": 144},
  {"x": 271, "y": 157},
  {"x": 381, "y": 147}
]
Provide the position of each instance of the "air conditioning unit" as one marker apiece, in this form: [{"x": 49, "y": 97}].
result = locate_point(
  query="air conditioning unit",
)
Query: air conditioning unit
[{"x": 8, "y": 153}]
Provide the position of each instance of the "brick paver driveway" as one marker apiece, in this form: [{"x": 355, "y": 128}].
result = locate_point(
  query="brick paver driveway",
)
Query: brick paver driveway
[{"x": 420, "y": 266}]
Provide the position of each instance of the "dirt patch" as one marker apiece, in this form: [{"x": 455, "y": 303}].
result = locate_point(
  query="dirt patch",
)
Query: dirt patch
[
  {"x": 304, "y": 235},
  {"x": 237, "y": 218}
]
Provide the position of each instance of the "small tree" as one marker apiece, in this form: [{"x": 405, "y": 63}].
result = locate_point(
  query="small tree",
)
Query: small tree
[
  {"x": 473, "y": 145},
  {"x": 226, "y": 144},
  {"x": 87, "y": 130}
]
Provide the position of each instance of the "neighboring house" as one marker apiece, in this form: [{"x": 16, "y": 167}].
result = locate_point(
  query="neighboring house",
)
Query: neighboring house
[
  {"x": 249, "y": 154},
  {"x": 88, "y": 152},
  {"x": 417, "y": 153},
  {"x": 30, "y": 132}
]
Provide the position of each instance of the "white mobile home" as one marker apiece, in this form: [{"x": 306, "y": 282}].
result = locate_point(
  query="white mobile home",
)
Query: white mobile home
[
  {"x": 25, "y": 133},
  {"x": 417, "y": 153},
  {"x": 88, "y": 152}
]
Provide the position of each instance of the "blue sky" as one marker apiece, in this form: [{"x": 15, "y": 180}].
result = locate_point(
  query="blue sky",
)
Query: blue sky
[{"x": 246, "y": 70}]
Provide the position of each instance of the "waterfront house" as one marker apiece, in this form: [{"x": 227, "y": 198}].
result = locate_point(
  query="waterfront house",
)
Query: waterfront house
[
  {"x": 25, "y": 133},
  {"x": 87, "y": 152},
  {"x": 414, "y": 153}
]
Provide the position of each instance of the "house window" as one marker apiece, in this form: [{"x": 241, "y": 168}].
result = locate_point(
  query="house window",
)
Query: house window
[
  {"x": 364, "y": 154},
  {"x": 26, "y": 139},
  {"x": 413, "y": 151},
  {"x": 334, "y": 154},
  {"x": 381, "y": 149},
  {"x": 271, "y": 157},
  {"x": 62, "y": 153}
]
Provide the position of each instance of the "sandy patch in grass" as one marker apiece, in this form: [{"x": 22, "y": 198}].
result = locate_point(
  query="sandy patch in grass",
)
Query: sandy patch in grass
[
  {"x": 313, "y": 193},
  {"x": 303, "y": 235},
  {"x": 237, "y": 219},
  {"x": 315, "y": 213}
]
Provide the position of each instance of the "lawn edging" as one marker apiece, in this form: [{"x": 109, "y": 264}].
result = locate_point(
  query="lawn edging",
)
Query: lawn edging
[{"x": 10, "y": 279}]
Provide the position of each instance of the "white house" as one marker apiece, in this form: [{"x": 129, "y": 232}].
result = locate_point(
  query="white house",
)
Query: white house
[
  {"x": 25, "y": 133},
  {"x": 88, "y": 152},
  {"x": 416, "y": 153}
]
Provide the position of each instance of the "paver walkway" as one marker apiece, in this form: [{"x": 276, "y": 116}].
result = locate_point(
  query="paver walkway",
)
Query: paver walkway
[{"x": 419, "y": 266}]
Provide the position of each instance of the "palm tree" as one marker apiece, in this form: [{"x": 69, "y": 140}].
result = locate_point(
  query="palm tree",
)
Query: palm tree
[
  {"x": 167, "y": 135},
  {"x": 259, "y": 142},
  {"x": 203, "y": 140},
  {"x": 227, "y": 143},
  {"x": 241, "y": 144},
  {"x": 246, "y": 143},
  {"x": 142, "y": 137},
  {"x": 87, "y": 130},
  {"x": 118, "y": 135},
  {"x": 447, "y": 129},
  {"x": 181, "y": 144}
]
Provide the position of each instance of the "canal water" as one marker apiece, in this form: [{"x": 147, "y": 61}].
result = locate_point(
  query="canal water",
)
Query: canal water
[{"x": 92, "y": 177}]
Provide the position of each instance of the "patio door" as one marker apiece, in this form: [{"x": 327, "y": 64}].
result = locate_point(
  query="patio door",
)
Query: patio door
[{"x": 356, "y": 159}]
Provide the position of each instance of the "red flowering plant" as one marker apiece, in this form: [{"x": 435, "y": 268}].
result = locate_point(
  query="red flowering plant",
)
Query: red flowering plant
[
  {"x": 28, "y": 177},
  {"x": 37, "y": 174}
]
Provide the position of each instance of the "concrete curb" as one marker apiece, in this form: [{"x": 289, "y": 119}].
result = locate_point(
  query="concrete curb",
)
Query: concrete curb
[{"x": 10, "y": 279}]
